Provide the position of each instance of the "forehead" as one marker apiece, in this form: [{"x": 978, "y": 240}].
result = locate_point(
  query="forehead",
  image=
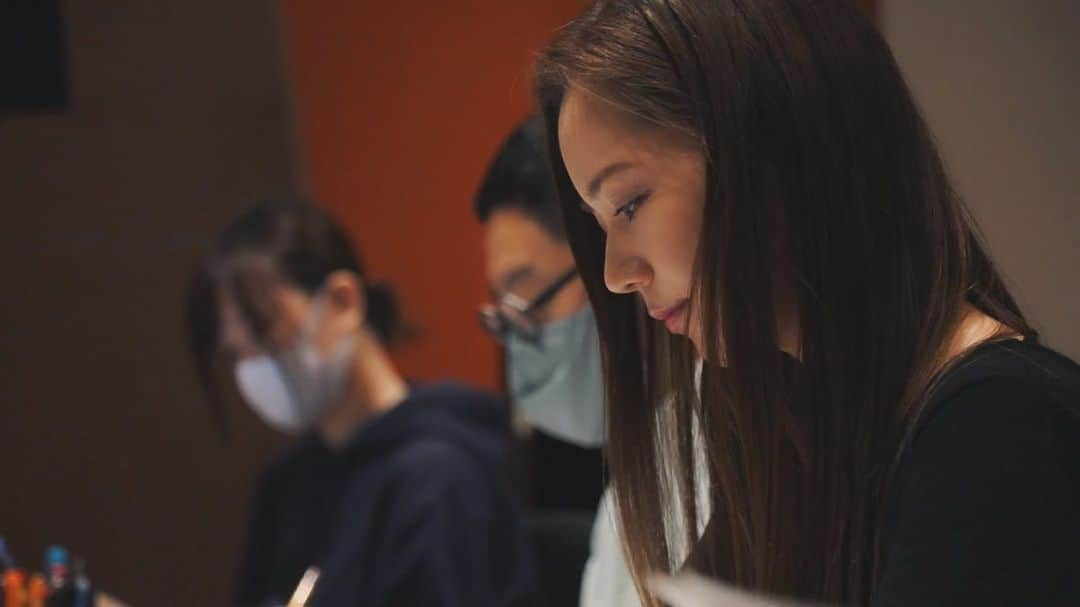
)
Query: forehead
[
  {"x": 594, "y": 134},
  {"x": 270, "y": 314},
  {"x": 513, "y": 240}
]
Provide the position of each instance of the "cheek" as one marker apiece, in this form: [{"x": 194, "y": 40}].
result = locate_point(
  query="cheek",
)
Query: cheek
[
  {"x": 690, "y": 229},
  {"x": 569, "y": 301},
  {"x": 673, "y": 248}
]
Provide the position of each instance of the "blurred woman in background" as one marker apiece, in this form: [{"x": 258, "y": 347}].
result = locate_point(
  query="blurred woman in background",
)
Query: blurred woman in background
[
  {"x": 750, "y": 181},
  {"x": 397, "y": 493}
]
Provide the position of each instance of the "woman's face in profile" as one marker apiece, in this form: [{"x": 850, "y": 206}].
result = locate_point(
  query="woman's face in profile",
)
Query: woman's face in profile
[{"x": 646, "y": 189}]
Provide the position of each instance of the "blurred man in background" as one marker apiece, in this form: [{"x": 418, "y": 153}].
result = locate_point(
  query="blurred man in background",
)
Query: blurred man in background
[{"x": 541, "y": 316}]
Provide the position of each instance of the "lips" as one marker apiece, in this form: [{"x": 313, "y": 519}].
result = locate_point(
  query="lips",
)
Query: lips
[{"x": 672, "y": 317}]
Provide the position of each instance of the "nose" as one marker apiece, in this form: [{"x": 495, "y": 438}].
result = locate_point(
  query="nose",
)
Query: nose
[{"x": 624, "y": 271}]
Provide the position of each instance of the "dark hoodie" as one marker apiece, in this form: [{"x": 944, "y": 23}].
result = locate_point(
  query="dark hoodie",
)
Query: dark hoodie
[{"x": 415, "y": 510}]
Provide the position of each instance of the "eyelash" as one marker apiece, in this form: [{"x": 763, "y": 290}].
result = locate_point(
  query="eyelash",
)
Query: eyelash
[{"x": 631, "y": 208}]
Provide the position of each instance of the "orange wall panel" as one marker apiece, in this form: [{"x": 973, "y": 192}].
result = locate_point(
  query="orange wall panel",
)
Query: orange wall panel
[{"x": 400, "y": 109}]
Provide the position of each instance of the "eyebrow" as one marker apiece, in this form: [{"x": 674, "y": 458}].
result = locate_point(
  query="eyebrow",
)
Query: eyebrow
[
  {"x": 608, "y": 171},
  {"x": 507, "y": 281}
]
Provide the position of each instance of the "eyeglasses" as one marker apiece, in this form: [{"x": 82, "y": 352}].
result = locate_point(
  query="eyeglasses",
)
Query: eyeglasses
[{"x": 514, "y": 314}]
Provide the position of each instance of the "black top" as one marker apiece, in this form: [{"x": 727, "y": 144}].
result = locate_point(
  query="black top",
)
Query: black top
[
  {"x": 565, "y": 477},
  {"x": 415, "y": 510},
  {"x": 986, "y": 506}
]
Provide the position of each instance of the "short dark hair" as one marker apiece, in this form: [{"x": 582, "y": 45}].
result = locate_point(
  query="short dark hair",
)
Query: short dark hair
[{"x": 519, "y": 178}]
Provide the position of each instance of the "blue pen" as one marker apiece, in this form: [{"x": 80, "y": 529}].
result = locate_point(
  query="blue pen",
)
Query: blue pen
[
  {"x": 57, "y": 567},
  {"x": 5, "y": 556}
]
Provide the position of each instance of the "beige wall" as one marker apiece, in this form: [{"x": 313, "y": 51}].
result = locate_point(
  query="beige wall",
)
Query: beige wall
[{"x": 999, "y": 82}]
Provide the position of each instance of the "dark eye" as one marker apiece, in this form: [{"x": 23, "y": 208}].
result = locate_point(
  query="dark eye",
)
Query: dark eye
[{"x": 630, "y": 208}]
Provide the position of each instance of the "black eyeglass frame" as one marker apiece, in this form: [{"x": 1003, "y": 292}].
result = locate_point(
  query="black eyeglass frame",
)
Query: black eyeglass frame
[{"x": 512, "y": 313}]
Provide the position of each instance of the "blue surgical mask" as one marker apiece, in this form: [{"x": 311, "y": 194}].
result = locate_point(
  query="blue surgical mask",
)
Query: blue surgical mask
[{"x": 557, "y": 382}]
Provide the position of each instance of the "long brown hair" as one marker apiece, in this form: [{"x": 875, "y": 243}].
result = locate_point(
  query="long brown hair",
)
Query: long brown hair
[{"x": 824, "y": 188}]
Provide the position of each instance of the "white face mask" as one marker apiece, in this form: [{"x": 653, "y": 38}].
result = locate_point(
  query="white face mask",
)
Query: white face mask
[
  {"x": 557, "y": 383},
  {"x": 291, "y": 390}
]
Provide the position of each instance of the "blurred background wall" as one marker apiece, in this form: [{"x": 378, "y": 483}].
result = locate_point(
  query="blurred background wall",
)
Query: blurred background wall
[
  {"x": 177, "y": 117},
  {"x": 400, "y": 110},
  {"x": 181, "y": 113},
  {"x": 999, "y": 82}
]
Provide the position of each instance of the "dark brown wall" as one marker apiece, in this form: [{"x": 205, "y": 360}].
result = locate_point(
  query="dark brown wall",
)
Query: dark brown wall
[{"x": 178, "y": 117}]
